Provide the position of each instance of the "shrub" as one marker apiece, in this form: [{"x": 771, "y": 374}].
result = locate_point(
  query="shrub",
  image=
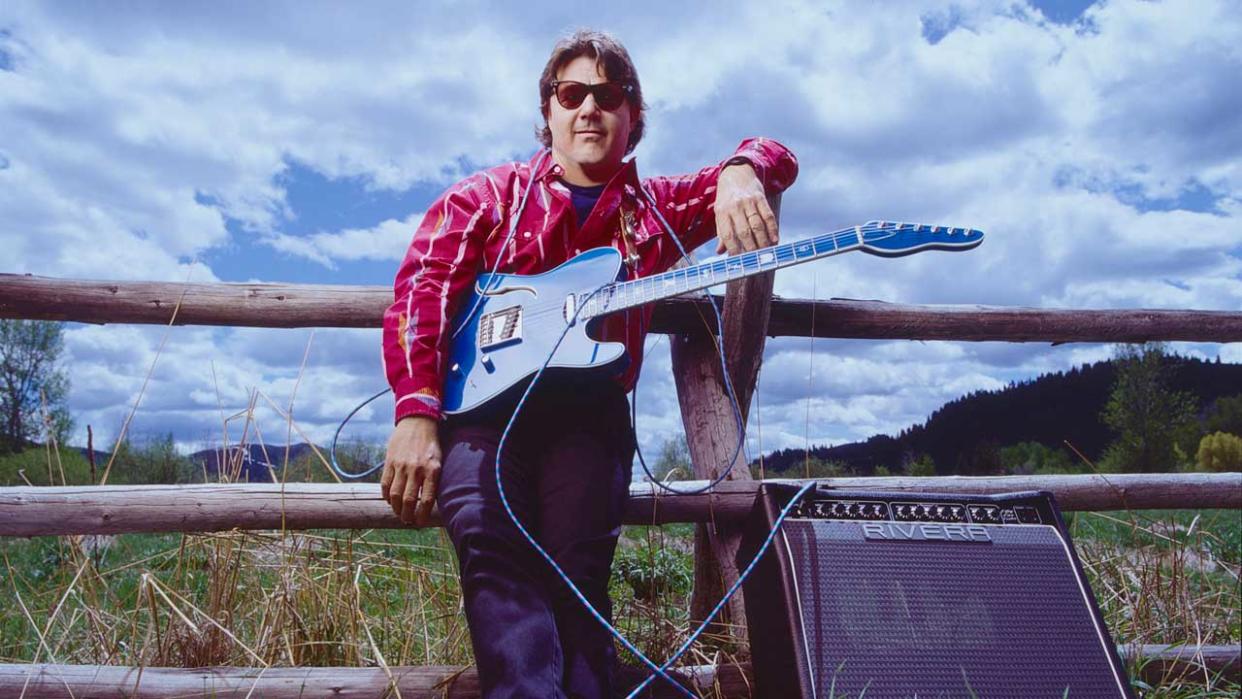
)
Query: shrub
[
  {"x": 32, "y": 464},
  {"x": 1220, "y": 452},
  {"x": 1026, "y": 458},
  {"x": 653, "y": 572},
  {"x": 921, "y": 467},
  {"x": 155, "y": 461}
]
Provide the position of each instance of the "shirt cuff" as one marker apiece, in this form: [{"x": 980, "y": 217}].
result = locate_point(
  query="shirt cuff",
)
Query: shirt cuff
[
  {"x": 755, "y": 164},
  {"x": 417, "y": 402},
  {"x": 774, "y": 164}
]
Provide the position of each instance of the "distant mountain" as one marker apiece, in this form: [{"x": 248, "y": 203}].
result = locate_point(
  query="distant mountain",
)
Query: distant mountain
[
  {"x": 101, "y": 457},
  {"x": 963, "y": 435},
  {"x": 253, "y": 462}
]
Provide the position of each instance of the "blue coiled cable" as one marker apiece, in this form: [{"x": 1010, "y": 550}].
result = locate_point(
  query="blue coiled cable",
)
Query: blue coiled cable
[
  {"x": 513, "y": 225},
  {"x": 658, "y": 670}
]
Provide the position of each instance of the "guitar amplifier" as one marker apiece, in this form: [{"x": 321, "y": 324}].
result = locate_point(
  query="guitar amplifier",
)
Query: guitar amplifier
[{"x": 877, "y": 595}]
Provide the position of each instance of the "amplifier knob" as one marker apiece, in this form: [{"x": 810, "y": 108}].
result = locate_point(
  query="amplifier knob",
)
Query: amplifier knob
[{"x": 837, "y": 509}]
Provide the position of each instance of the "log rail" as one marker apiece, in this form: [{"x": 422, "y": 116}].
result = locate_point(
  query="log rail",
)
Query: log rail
[
  {"x": 1156, "y": 663},
  {"x": 222, "y": 507},
  {"x": 127, "y": 509},
  {"x": 326, "y": 306}
]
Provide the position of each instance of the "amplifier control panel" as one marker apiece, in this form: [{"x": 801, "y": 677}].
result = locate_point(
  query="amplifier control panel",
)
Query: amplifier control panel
[{"x": 964, "y": 512}]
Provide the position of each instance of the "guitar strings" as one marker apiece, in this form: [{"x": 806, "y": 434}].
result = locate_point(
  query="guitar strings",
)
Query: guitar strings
[
  {"x": 658, "y": 671},
  {"x": 634, "y": 292},
  {"x": 749, "y": 262},
  {"x": 540, "y": 317}
]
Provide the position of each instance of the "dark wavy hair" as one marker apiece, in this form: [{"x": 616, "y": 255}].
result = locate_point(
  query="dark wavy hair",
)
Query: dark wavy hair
[{"x": 618, "y": 68}]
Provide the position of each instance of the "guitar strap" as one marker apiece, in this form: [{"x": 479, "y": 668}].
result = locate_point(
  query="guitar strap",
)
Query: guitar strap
[
  {"x": 513, "y": 226},
  {"x": 627, "y": 239},
  {"x": 513, "y": 220}
]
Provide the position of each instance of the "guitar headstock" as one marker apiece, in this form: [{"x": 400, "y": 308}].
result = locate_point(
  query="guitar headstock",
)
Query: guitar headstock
[{"x": 892, "y": 239}]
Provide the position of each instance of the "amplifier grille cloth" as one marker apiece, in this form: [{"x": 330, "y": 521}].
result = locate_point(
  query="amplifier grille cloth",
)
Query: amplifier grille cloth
[{"x": 900, "y": 617}]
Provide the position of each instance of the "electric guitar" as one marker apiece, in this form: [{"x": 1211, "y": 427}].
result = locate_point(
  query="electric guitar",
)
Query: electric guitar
[{"x": 511, "y": 322}]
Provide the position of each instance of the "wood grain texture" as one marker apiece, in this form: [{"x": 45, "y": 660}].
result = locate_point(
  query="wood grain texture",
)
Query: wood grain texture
[
  {"x": 121, "y": 509},
  {"x": 712, "y": 430},
  {"x": 1158, "y": 663},
  {"x": 307, "y": 305}
]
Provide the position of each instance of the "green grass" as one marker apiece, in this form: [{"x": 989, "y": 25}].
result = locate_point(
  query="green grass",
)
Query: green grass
[
  {"x": 43, "y": 466},
  {"x": 342, "y": 597}
]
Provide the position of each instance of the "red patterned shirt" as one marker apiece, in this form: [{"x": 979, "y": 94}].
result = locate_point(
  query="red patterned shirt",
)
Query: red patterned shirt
[{"x": 463, "y": 231}]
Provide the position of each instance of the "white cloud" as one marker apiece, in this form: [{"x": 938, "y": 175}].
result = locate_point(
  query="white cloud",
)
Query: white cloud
[
  {"x": 387, "y": 241},
  {"x": 133, "y": 136},
  {"x": 147, "y": 144}
]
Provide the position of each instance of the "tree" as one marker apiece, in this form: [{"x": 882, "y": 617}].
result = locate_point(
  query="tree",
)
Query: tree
[
  {"x": 920, "y": 467},
  {"x": 33, "y": 385},
  {"x": 1025, "y": 458},
  {"x": 1146, "y": 414},
  {"x": 156, "y": 461},
  {"x": 673, "y": 464},
  {"x": 1225, "y": 415}
]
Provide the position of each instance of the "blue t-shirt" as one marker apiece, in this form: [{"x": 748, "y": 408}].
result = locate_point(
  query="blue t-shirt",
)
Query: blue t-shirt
[{"x": 584, "y": 199}]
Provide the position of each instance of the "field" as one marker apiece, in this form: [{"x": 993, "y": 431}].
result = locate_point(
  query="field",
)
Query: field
[{"x": 330, "y": 598}]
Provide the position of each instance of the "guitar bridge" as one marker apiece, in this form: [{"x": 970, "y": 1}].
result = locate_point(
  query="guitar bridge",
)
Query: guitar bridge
[{"x": 500, "y": 328}]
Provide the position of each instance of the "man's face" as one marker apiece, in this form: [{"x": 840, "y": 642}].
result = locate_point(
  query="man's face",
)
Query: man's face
[{"x": 588, "y": 138}]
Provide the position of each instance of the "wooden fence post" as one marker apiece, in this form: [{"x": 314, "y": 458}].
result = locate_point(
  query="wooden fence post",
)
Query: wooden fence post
[{"x": 711, "y": 430}]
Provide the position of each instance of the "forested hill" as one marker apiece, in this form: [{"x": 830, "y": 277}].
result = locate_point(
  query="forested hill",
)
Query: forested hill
[{"x": 964, "y": 435}]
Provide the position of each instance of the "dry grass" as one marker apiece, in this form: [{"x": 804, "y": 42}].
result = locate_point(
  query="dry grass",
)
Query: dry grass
[
  {"x": 1167, "y": 577},
  {"x": 236, "y": 598},
  {"x": 391, "y": 597},
  {"x": 379, "y": 598}
]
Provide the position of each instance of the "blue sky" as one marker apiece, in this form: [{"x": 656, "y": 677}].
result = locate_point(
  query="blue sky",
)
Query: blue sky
[{"x": 1098, "y": 145}]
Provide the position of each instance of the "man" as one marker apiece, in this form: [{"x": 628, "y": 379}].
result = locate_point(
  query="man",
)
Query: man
[{"x": 566, "y": 465}]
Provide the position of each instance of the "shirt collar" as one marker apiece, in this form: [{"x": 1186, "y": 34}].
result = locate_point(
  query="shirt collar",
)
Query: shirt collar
[{"x": 550, "y": 170}]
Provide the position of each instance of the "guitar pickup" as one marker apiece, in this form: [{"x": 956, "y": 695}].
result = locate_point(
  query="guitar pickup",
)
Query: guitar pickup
[{"x": 500, "y": 328}]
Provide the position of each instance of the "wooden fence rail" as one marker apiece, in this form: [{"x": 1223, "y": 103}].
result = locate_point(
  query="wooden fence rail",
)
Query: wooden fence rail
[
  {"x": 39, "y": 511},
  {"x": 1155, "y": 663},
  {"x": 299, "y": 305},
  {"x": 123, "y": 509}
]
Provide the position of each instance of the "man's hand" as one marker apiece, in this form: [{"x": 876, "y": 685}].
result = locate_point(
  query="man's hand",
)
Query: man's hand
[
  {"x": 744, "y": 221},
  {"x": 412, "y": 470}
]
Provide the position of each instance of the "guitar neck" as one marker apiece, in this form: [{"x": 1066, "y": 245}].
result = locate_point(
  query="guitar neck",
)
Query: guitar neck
[{"x": 619, "y": 296}]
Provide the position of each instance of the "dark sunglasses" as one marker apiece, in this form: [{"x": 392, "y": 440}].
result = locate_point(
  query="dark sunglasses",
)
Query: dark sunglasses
[{"x": 571, "y": 94}]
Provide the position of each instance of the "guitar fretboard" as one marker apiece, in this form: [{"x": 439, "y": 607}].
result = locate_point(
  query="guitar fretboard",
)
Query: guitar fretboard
[{"x": 619, "y": 296}]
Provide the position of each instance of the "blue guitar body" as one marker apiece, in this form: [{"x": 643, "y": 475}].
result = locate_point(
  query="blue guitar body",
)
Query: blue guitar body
[
  {"x": 511, "y": 323},
  {"x": 517, "y": 320}
]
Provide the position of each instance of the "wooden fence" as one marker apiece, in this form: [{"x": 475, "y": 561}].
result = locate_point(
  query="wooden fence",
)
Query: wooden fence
[
  {"x": 1159, "y": 663},
  {"x": 130, "y": 509},
  {"x": 711, "y": 431}
]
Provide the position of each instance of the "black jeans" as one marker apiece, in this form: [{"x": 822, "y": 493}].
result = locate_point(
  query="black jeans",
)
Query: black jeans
[{"x": 566, "y": 474}]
